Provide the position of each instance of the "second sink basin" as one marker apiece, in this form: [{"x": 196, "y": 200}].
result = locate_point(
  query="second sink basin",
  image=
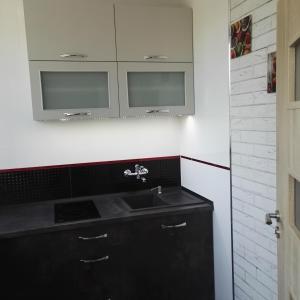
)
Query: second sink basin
[{"x": 143, "y": 201}]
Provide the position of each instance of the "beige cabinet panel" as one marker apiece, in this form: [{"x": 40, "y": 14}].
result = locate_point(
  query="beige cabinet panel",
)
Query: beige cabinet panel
[
  {"x": 70, "y": 30},
  {"x": 154, "y": 33}
]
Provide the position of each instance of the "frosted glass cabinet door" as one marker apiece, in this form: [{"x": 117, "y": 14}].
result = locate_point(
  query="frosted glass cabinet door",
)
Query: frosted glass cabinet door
[
  {"x": 70, "y": 90},
  {"x": 156, "y": 88}
]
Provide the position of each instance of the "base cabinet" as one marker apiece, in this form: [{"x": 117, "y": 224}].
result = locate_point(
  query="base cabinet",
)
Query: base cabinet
[
  {"x": 161, "y": 258},
  {"x": 173, "y": 258}
]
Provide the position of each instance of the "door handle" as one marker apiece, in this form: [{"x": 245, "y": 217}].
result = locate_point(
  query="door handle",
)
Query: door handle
[
  {"x": 184, "y": 224},
  {"x": 102, "y": 236},
  {"x": 91, "y": 261},
  {"x": 80, "y": 114},
  {"x": 74, "y": 55},
  {"x": 147, "y": 57},
  {"x": 156, "y": 111},
  {"x": 270, "y": 216}
]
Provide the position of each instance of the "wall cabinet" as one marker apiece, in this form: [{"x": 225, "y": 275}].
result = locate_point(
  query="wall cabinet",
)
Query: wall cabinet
[
  {"x": 89, "y": 59},
  {"x": 62, "y": 90},
  {"x": 70, "y": 30},
  {"x": 161, "y": 258},
  {"x": 156, "y": 89},
  {"x": 154, "y": 33}
]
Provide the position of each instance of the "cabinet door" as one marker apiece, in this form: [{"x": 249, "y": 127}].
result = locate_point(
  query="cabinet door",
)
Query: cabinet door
[
  {"x": 174, "y": 258},
  {"x": 154, "y": 33},
  {"x": 66, "y": 90},
  {"x": 43, "y": 266},
  {"x": 70, "y": 30},
  {"x": 156, "y": 89}
]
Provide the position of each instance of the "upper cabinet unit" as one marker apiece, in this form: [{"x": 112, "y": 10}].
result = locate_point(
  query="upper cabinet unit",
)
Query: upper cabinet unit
[
  {"x": 154, "y": 33},
  {"x": 90, "y": 59},
  {"x": 81, "y": 30}
]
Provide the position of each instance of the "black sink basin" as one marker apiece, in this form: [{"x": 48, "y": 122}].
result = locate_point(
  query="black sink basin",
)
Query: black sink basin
[
  {"x": 143, "y": 201},
  {"x": 75, "y": 211}
]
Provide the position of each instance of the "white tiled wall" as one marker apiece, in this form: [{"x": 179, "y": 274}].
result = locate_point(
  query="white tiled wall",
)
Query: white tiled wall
[{"x": 253, "y": 133}]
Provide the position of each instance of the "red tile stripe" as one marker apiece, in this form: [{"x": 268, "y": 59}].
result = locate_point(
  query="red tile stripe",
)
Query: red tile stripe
[
  {"x": 206, "y": 163},
  {"x": 134, "y": 160}
]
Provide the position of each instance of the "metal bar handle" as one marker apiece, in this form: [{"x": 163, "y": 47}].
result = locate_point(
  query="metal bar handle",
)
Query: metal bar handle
[
  {"x": 102, "y": 236},
  {"x": 184, "y": 224},
  {"x": 71, "y": 55},
  {"x": 156, "y": 111},
  {"x": 80, "y": 114},
  {"x": 147, "y": 57},
  {"x": 91, "y": 261}
]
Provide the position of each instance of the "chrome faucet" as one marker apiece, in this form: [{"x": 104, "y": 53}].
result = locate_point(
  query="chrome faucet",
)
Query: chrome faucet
[
  {"x": 158, "y": 188},
  {"x": 139, "y": 172}
]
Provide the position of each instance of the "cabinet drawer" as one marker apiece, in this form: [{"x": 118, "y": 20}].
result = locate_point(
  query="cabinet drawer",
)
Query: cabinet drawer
[
  {"x": 84, "y": 30},
  {"x": 99, "y": 277}
]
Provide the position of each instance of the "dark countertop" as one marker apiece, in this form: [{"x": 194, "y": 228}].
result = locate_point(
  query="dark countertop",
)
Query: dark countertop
[{"x": 24, "y": 219}]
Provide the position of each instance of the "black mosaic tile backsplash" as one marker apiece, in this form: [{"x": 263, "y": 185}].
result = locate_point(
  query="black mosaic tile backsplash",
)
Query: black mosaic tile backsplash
[{"x": 76, "y": 181}]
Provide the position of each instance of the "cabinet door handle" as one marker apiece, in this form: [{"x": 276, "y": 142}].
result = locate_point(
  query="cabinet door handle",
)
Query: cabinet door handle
[
  {"x": 92, "y": 261},
  {"x": 147, "y": 57},
  {"x": 184, "y": 224},
  {"x": 102, "y": 236},
  {"x": 80, "y": 114},
  {"x": 73, "y": 55},
  {"x": 156, "y": 111}
]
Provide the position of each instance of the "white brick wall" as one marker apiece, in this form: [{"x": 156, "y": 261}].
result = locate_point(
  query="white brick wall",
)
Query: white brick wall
[{"x": 253, "y": 135}]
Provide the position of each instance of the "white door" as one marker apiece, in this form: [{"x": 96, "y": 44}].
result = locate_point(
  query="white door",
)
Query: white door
[
  {"x": 289, "y": 148},
  {"x": 154, "y": 33},
  {"x": 70, "y": 30}
]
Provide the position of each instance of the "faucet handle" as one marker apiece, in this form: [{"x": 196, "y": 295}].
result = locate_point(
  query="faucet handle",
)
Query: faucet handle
[
  {"x": 144, "y": 170},
  {"x": 127, "y": 173}
]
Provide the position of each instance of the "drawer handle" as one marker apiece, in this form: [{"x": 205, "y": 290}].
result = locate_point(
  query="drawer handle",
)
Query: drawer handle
[
  {"x": 70, "y": 55},
  {"x": 156, "y": 111},
  {"x": 92, "y": 261},
  {"x": 80, "y": 114},
  {"x": 147, "y": 57},
  {"x": 184, "y": 224},
  {"x": 102, "y": 236}
]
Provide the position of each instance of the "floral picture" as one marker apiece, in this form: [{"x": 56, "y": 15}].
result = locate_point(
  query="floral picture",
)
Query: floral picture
[
  {"x": 241, "y": 37},
  {"x": 272, "y": 72}
]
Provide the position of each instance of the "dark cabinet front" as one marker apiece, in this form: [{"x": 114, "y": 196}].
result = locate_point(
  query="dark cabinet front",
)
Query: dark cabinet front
[
  {"x": 161, "y": 258},
  {"x": 173, "y": 258},
  {"x": 39, "y": 267}
]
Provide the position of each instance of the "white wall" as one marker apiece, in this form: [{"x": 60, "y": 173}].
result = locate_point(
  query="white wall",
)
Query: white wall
[
  {"x": 253, "y": 125},
  {"x": 205, "y": 136},
  {"x": 26, "y": 143}
]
